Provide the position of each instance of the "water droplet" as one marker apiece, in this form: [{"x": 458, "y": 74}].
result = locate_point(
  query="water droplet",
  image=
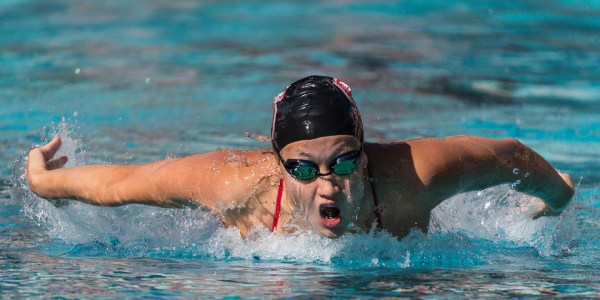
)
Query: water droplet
[
  {"x": 75, "y": 114},
  {"x": 147, "y": 80},
  {"x": 527, "y": 174},
  {"x": 516, "y": 171},
  {"x": 77, "y": 71}
]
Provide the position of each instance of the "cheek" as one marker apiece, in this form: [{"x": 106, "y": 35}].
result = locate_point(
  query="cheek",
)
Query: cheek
[
  {"x": 352, "y": 186},
  {"x": 302, "y": 194},
  {"x": 355, "y": 188}
]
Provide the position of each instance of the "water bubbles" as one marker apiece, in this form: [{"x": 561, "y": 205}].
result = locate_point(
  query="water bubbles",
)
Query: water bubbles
[
  {"x": 147, "y": 80},
  {"x": 516, "y": 171},
  {"x": 75, "y": 114},
  {"x": 527, "y": 174},
  {"x": 77, "y": 71},
  {"x": 487, "y": 205},
  {"x": 515, "y": 184}
]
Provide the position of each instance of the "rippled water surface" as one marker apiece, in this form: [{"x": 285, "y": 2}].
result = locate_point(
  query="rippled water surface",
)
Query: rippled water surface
[{"x": 138, "y": 81}]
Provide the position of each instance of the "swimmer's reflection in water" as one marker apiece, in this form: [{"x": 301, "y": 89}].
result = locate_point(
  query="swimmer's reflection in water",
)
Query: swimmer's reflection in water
[{"x": 320, "y": 173}]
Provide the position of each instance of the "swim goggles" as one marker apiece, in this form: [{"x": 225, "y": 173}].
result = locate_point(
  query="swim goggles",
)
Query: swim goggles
[{"x": 306, "y": 170}]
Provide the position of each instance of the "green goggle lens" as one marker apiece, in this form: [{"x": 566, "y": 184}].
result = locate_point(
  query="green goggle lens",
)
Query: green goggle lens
[
  {"x": 344, "y": 167},
  {"x": 304, "y": 172}
]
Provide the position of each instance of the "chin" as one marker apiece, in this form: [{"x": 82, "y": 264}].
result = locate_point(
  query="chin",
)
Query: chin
[
  {"x": 333, "y": 233},
  {"x": 329, "y": 234}
]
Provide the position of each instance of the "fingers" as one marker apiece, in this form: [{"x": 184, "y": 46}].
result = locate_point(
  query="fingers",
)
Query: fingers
[
  {"x": 40, "y": 159},
  {"x": 546, "y": 211},
  {"x": 50, "y": 149},
  {"x": 57, "y": 163},
  {"x": 567, "y": 178},
  {"x": 36, "y": 160}
]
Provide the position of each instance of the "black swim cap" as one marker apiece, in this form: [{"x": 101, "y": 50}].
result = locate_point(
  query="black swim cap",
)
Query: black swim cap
[{"x": 313, "y": 107}]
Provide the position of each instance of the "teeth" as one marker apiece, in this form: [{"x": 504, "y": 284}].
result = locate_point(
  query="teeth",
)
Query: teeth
[{"x": 329, "y": 211}]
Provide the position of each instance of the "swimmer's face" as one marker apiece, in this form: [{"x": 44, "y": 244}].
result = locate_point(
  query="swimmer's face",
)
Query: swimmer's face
[{"x": 329, "y": 203}]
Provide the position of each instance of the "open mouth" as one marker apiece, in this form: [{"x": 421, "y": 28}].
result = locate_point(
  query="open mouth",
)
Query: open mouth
[{"x": 330, "y": 215}]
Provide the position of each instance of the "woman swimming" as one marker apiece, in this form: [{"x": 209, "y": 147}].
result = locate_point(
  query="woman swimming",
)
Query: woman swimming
[{"x": 319, "y": 174}]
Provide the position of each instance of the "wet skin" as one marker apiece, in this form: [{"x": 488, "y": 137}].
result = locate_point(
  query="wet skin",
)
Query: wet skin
[{"x": 409, "y": 178}]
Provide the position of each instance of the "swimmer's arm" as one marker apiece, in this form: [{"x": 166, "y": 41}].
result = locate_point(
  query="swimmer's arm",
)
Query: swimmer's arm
[
  {"x": 466, "y": 163},
  {"x": 167, "y": 183}
]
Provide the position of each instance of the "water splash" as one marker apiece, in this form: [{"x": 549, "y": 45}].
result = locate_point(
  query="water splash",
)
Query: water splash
[{"x": 501, "y": 214}]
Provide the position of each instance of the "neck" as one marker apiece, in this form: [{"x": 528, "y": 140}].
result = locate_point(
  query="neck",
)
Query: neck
[
  {"x": 366, "y": 216},
  {"x": 287, "y": 212}
]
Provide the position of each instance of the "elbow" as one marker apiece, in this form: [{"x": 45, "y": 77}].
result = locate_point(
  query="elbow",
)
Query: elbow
[
  {"x": 512, "y": 145},
  {"x": 511, "y": 153}
]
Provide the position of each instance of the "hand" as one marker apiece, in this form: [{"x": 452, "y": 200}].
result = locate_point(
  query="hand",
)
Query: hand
[
  {"x": 567, "y": 178},
  {"x": 41, "y": 160},
  {"x": 546, "y": 210}
]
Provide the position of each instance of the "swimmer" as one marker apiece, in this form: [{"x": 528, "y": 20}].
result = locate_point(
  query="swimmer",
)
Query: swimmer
[{"x": 319, "y": 175}]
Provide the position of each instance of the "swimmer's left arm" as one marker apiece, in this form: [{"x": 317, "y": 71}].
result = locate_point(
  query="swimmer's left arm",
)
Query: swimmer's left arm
[{"x": 466, "y": 163}]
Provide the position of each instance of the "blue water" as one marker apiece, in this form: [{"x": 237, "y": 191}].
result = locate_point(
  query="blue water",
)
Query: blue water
[{"x": 133, "y": 82}]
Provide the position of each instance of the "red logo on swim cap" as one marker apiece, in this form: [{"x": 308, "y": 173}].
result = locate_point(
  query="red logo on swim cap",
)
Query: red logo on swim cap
[
  {"x": 280, "y": 95},
  {"x": 344, "y": 87}
]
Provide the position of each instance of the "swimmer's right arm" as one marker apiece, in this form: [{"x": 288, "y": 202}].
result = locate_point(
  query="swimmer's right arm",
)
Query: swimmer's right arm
[{"x": 167, "y": 183}]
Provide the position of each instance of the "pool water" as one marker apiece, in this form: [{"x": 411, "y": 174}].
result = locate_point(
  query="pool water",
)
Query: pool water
[{"x": 134, "y": 82}]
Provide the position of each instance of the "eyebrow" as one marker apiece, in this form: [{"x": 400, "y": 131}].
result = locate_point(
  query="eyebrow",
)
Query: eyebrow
[
  {"x": 339, "y": 153},
  {"x": 305, "y": 154}
]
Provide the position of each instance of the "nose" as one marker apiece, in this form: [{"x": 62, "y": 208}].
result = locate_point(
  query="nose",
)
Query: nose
[{"x": 327, "y": 187}]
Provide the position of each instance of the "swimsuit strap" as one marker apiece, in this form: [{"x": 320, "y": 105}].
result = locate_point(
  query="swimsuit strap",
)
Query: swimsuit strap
[
  {"x": 375, "y": 202},
  {"x": 277, "y": 206}
]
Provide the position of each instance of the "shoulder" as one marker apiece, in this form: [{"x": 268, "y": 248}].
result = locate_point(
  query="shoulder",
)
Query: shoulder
[
  {"x": 226, "y": 175},
  {"x": 244, "y": 185},
  {"x": 232, "y": 160},
  {"x": 387, "y": 159},
  {"x": 245, "y": 167}
]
